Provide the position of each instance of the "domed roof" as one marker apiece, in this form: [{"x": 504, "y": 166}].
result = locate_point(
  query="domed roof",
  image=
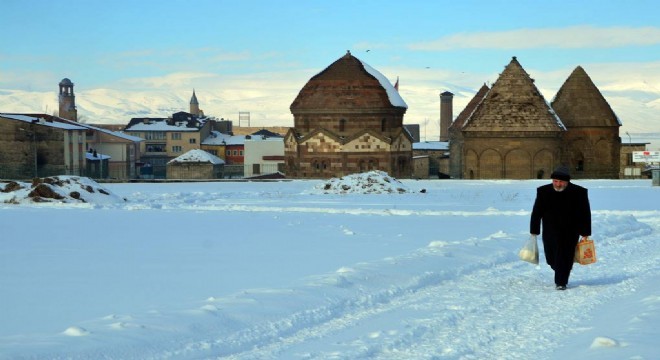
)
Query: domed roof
[
  {"x": 66, "y": 82},
  {"x": 347, "y": 84}
]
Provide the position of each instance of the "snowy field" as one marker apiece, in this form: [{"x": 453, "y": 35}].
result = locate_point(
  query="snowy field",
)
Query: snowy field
[{"x": 288, "y": 270}]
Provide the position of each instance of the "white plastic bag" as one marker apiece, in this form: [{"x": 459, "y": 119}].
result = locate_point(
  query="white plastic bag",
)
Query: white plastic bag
[{"x": 530, "y": 251}]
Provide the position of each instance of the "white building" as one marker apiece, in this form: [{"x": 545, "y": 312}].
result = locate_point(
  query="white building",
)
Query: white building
[{"x": 263, "y": 155}]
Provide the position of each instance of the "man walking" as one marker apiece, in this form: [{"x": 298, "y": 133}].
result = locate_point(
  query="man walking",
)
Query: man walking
[{"x": 563, "y": 209}]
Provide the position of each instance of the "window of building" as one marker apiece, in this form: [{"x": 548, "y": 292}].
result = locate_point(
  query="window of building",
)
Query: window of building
[
  {"x": 155, "y": 135},
  {"x": 228, "y": 152},
  {"x": 240, "y": 153},
  {"x": 342, "y": 124},
  {"x": 156, "y": 148},
  {"x": 193, "y": 141},
  {"x": 235, "y": 152},
  {"x": 176, "y": 149},
  {"x": 176, "y": 136}
]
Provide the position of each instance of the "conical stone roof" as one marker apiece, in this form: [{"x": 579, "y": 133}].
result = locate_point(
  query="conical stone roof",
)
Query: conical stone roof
[
  {"x": 513, "y": 104},
  {"x": 347, "y": 84},
  {"x": 469, "y": 108},
  {"x": 579, "y": 103}
]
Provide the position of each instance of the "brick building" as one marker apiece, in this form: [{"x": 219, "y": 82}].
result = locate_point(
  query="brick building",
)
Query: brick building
[
  {"x": 592, "y": 145},
  {"x": 509, "y": 131},
  {"x": 348, "y": 119}
]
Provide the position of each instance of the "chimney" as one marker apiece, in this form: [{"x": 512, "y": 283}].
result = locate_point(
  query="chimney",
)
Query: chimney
[{"x": 446, "y": 114}]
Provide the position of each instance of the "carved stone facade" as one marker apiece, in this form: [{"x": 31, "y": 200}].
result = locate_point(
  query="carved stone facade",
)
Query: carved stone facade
[
  {"x": 511, "y": 132},
  {"x": 348, "y": 119}
]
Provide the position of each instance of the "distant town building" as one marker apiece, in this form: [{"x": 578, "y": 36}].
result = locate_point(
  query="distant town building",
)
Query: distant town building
[
  {"x": 264, "y": 154},
  {"x": 36, "y": 146},
  {"x": 435, "y": 154},
  {"x": 167, "y": 138},
  {"x": 195, "y": 164}
]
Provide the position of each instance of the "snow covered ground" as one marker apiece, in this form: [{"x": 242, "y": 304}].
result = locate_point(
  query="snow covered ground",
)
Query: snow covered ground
[{"x": 311, "y": 270}]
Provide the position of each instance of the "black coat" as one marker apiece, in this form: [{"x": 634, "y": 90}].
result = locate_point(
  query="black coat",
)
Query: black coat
[{"x": 564, "y": 215}]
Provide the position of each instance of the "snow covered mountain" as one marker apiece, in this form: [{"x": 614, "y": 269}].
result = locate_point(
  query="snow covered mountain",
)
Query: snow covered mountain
[
  {"x": 638, "y": 110},
  {"x": 110, "y": 106}
]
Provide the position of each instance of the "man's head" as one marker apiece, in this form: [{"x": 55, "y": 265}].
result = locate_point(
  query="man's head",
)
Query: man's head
[{"x": 560, "y": 178}]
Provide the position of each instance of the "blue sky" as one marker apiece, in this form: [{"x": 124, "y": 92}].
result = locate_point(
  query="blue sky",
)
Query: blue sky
[{"x": 431, "y": 45}]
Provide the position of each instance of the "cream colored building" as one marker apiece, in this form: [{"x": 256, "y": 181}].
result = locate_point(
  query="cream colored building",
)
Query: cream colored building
[
  {"x": 263, "y": 155},
  {"x": 167, "y": 138}
]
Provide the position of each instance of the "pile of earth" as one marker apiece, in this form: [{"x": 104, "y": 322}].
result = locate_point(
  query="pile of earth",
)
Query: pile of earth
[
  {"x": 372, "y": 182},
  {"x": 62, "y": 189}
]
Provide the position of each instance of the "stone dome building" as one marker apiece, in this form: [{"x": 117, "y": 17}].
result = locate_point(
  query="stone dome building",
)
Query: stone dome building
[{"x": 348, "y": 119}]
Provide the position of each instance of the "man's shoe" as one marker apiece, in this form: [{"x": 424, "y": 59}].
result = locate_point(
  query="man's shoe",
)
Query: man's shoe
[{"x": 561, "y": 287}]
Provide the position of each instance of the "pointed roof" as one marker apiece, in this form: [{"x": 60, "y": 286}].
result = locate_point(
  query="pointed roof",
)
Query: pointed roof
[
  {"x": 193, "y": 100},
  {"x": 348, "y": 83},
  {"x": 579, "y": 103},
  {"x": 513, "y": 104},
  {"x": 197, "y": 156},
  {"x": 469, "y": 108}
]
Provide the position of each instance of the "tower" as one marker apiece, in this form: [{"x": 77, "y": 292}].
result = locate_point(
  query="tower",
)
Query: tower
[
  {"x": 67, "y": 101},
  {"x": 194, "y": 104},
  {"x": 446, "y": 114}
]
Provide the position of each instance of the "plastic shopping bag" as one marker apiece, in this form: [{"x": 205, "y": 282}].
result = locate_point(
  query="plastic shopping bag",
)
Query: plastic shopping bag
[
  {"x": 530, "y": 251},
  {"x": 585, "y": 252}
]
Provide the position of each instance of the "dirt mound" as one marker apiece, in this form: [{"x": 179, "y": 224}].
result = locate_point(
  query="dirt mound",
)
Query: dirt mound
[
  {"x": 63, "y": 189},
  {"x": 372, "y": 182}
]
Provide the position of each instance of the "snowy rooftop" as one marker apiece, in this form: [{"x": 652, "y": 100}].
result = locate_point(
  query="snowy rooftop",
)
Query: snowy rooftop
[
  {"x": 43, "y": 122},
  {"x": 197, "y": 156},
  {"x": 162, "y": 126},
  {"x": 218, "y": 138},
  {"x": 392, "y": 93}
]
